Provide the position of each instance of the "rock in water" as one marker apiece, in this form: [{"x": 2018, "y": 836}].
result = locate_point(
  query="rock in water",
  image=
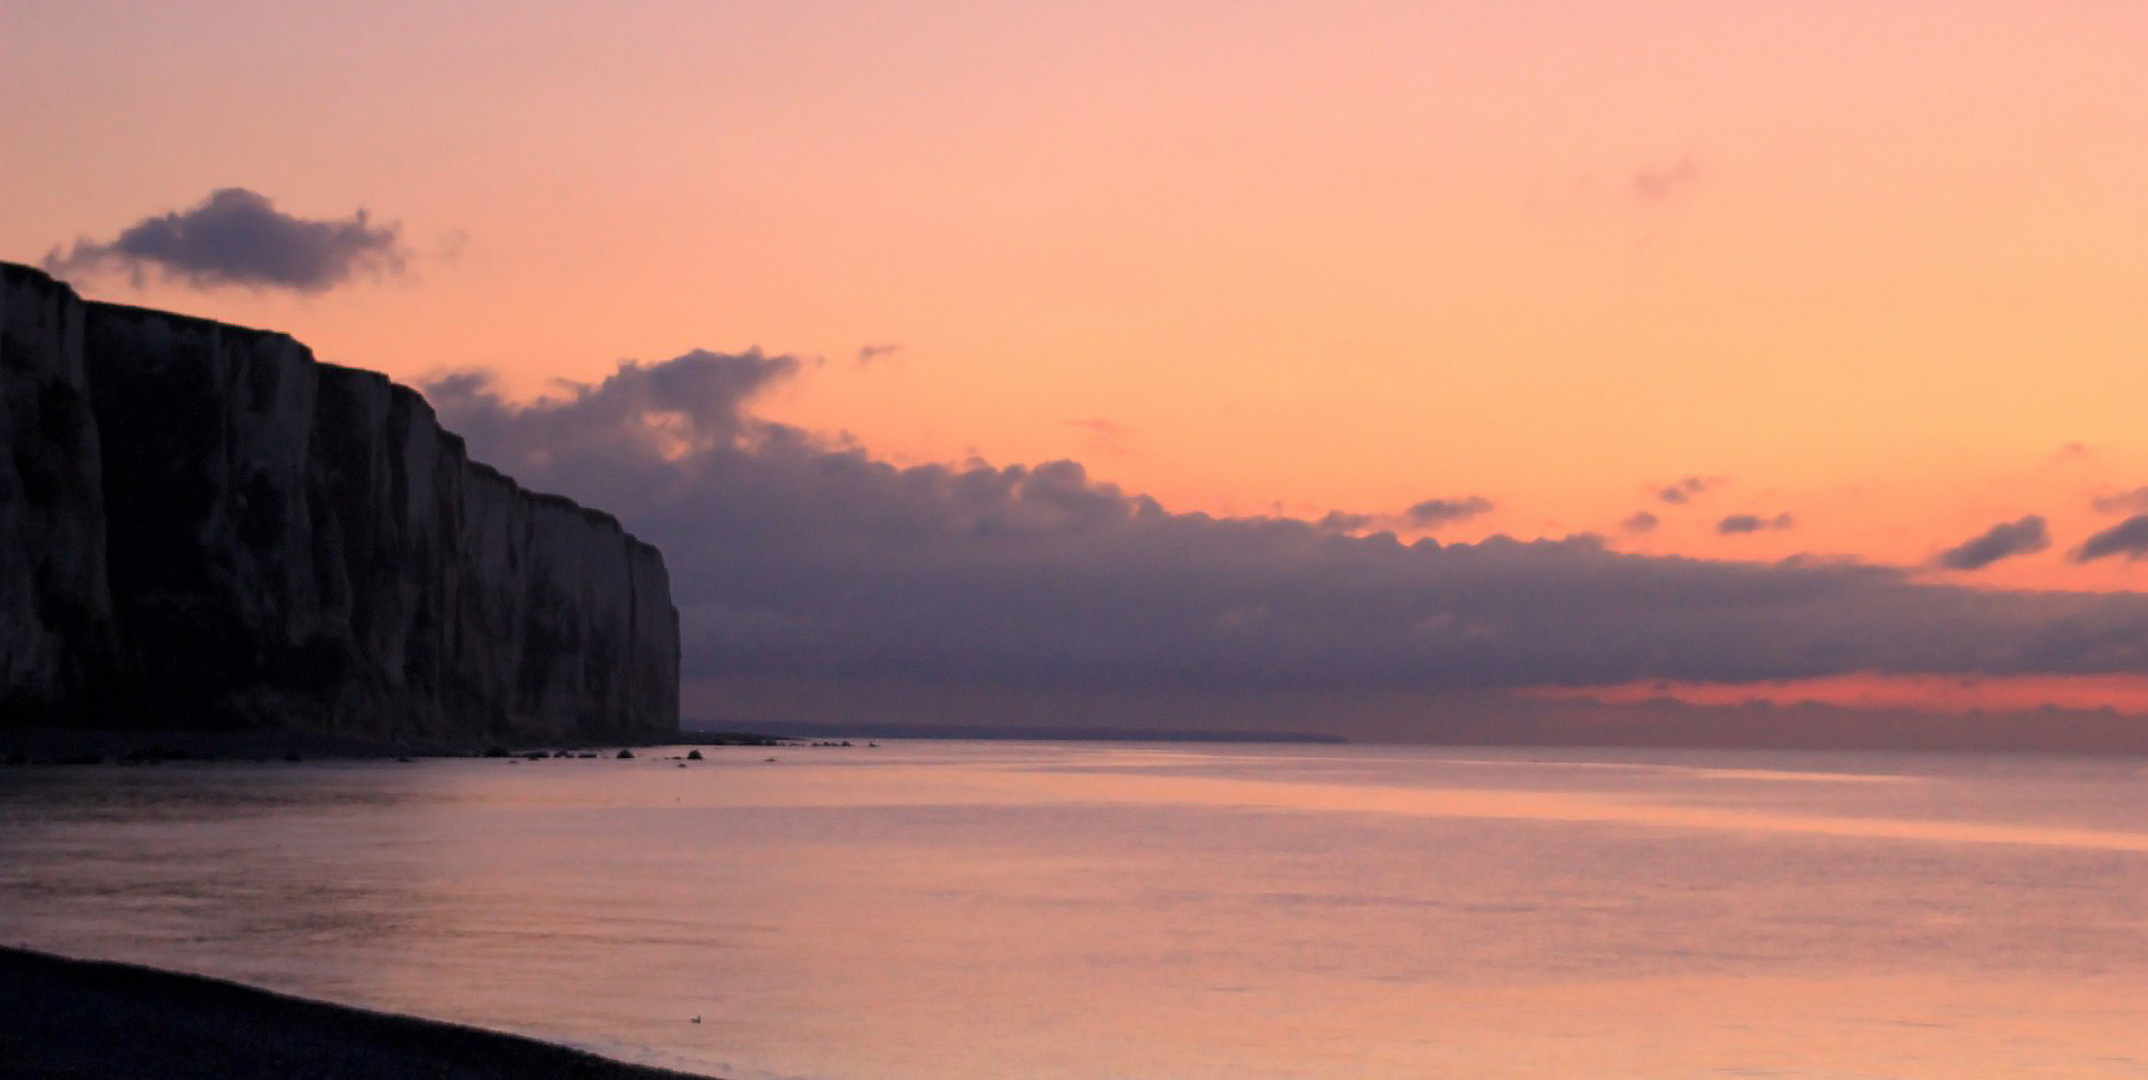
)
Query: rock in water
[{"x": 201, "y": 526}]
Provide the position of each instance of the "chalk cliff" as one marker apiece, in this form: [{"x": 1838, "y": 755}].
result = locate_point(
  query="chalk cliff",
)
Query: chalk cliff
[{"x": 201, "y": 526}]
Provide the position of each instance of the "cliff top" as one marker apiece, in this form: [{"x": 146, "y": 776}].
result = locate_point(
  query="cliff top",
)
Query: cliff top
[{"x": 21, "y": 275}]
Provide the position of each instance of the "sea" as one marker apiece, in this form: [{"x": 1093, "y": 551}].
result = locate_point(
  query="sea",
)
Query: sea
[{"x": 1085, "y": 911}]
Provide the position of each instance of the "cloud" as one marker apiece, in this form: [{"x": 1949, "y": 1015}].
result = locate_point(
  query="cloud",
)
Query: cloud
[
  {"x": 2124, "y": 502},
  {"x": 809, "y": 565},
  {"x": 1740, "y": 524},
  {"x": 1421, "y": 517},
  {"x": 238, "y": 237},
  {"x": 1642, "y": 521},
  {"x": 2128, "y": 538},
  {"x": 869, "y": 353},
  {"x": 1433, "y": 513},
  {"x": 1684, "y": 491},
  {"x": 2006, "y": 539},
  {"x": 1659, "y": 184},
  {"x": 1340, "y": 521}
]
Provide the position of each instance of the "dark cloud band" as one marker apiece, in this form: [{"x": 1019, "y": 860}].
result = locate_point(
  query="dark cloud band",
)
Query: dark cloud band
[{"x": 800, "y": 559}]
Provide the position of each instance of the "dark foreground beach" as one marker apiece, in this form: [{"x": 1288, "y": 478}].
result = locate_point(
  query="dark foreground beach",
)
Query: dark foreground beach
[{"x": 78, "y": 1020}]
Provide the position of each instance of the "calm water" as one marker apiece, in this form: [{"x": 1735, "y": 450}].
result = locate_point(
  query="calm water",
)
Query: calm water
[{"x": 960, "y": 911}]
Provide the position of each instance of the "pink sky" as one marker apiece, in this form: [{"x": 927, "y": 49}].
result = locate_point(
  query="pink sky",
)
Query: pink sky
[{"x": 1879, "y": 265}]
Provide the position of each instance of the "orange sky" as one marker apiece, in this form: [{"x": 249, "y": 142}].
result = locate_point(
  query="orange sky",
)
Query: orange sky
[
  {"x": 1952, "y": 694},
  {"x": 1878, "y": 264}
]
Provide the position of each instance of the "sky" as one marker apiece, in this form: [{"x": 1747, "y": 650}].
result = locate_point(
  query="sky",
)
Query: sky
[{"x": 1725, "y": 353}]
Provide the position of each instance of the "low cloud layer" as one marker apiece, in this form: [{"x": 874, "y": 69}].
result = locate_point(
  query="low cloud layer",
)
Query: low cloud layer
[
  {"x": 796, "y": 558},
  {"x": 238, "y": 237},
  {"x": 1344, "y": 521},
  {"x": 2001, "y": 541}
]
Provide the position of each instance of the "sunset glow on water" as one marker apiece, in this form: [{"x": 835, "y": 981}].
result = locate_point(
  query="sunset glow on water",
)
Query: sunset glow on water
[{"x": 1080, "y": 911}]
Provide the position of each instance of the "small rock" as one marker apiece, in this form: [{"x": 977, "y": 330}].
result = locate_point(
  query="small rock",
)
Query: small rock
[
  {"x": 693, "y": 755},
  {"x": 625, "y": 755}
]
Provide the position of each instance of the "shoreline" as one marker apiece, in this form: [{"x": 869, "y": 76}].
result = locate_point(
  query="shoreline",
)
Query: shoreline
[
  {"x": 84, "y": 1019},
  {"x": 95, "y": 746}
]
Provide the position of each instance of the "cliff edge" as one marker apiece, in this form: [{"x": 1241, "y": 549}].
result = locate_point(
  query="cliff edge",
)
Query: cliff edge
[{"x": 203, "y": 527}]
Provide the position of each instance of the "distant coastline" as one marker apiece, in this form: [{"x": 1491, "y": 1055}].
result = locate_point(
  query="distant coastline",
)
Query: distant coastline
[
  {"x": 66, "y": 746},
  {"x": 847, "y": 730}
]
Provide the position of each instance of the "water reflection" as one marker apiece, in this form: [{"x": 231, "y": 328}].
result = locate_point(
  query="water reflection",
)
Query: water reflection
[{"x": 971, "y": 910}]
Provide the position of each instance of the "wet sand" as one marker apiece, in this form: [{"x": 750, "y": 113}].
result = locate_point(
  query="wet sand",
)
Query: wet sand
[{"x": 78, "y": 1020}]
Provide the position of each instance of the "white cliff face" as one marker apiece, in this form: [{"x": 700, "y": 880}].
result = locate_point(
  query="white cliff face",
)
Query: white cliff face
[
  {"x": 294, "y": 544},
  {"x": 55, "y": 606}
]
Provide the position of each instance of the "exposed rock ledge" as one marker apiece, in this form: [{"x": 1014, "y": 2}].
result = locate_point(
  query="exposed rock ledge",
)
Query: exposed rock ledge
[{"x": 203, "y": 527}]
